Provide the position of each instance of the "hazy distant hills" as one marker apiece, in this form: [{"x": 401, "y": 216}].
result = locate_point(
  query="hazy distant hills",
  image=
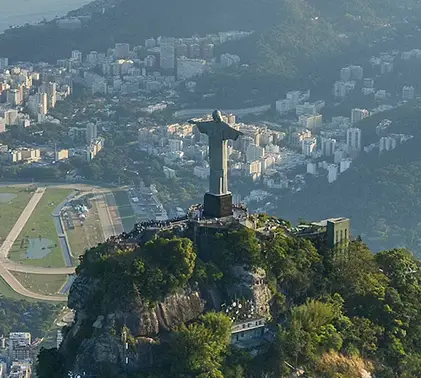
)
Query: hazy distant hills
[{"x": 134, "y": 20}]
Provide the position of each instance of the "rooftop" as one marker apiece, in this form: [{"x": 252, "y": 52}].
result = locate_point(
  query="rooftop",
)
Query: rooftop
[
  {"x": 323, "y": 223},
  {"x": 248, "y": 324}
]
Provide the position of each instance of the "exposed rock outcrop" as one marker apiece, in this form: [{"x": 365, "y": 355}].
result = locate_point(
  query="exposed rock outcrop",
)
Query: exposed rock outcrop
[
  {"x": 176, "y": 309},
  {"x": 97, "y": 341},
  {"x": 252, "y": 285}
]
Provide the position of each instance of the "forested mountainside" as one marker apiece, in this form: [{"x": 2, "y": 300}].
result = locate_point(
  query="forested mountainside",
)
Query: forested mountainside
[
  {"x": 380, "y": 193},
  {"x": 342, "y": 312},
  {"x": 308, "y": 26}
]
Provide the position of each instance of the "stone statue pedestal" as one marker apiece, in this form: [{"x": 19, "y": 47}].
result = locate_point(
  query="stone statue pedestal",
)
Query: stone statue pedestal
[{"x": 217, "y": 205}]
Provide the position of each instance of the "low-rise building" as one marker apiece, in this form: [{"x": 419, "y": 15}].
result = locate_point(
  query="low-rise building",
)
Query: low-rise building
[
  {"x": 248, "y": 333},
  {"x": 61, "y": 155},
  {"x": 25, "y": 154},
  {"x": 331, "y": 233},
  {"x": 203, "y": 172},
  {"x": 408, "y": 93},
  {"x": 310, "y": 121},
  {"x": 20, "y": 346}
]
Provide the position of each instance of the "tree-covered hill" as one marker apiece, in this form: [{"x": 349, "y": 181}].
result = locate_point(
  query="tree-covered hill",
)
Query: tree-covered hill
[
  {"x": 381, "y": 194},
  {"x": 333, "y": 313},
  {"x": 134, "y": 20}
]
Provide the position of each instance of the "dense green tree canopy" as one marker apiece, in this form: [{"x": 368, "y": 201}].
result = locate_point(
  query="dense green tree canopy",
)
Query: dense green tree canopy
[{"x": 334, "y": 313}]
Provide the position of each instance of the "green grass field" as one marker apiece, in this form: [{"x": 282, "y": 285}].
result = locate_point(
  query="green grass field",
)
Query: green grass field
[
  {"x": 125, "y": 209},
  {"x": 41, "y": 224},
  {"x": 89, "y": 235},
  {"x": 11, "y": 210},
  {"x": 42, "y": 284},
  {"x": 7, "y": 292}
]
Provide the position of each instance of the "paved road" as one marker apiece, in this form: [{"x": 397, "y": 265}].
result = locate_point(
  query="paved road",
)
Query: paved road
[
  {"x": 64, "y": 242},
  {"x": 15, "y": 267},
  {"x": 20, "y": 223},
  {"x": 113, "y": 213},
  {"x": 6, "y": 266},
  {"x": 107, "y": 223},
  {"x": 20, "y": 289}
]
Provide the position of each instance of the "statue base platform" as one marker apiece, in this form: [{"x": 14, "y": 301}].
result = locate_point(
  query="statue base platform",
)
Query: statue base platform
[{"x": 217, "y": 206}]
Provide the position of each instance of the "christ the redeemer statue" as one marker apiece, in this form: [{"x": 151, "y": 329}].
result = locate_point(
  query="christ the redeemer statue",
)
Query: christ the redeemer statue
[{"x": 218, "y": 200}]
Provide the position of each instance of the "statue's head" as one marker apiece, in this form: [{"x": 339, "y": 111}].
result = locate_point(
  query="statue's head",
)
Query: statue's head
[{"x": 217, "y": 116}]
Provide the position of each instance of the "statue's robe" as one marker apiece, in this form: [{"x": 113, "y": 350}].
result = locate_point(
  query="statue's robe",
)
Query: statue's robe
[{"x": 219, "y": 133}]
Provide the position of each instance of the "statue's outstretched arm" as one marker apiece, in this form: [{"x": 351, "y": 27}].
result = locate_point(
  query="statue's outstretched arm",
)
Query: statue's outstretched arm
[{"x": 231, "y": 133}]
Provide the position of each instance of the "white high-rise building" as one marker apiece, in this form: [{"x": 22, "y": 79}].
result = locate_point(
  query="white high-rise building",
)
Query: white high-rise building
[
  {"x": 328, "y": 146},
  {"x": 353, "y": 139},
  {"x": 342, "y": 88},
  {"x": 59, "y": 338},
  {"x": 357, "y": 72},
  {"x": 387, "y": 144},
  {"x": 294, "y": 96},
  {"x": 253, "y": 169},
  {"x": 308, "y": 146},
  {"x": 13, "y": 97},
  {"x": 228, "y": 60},
  {"x": 150, "y": 42},
  {"x": 76, "y": 56},
  {"x": 19, "y": 346},
  {"x": 284, "y": 106},
  {"x": 51, "y": 90},
  {"x": 4, "y": 63},
  {"x": 254, "y": 152},
  {"x": 368, "y": 82},
  {"x": 91, "y": 132},
  {"x": 345, "y": 74},
  {"x": 194, "y": 51},
  {"x": 358, "y": 115},
  {"x": 10, "y": 116},
  {"x": 92, "y": 58},
  {"x": 344, "y": 165},
  {"x": 175, "y": 145},
  {"x": 2, "y": 125},
  {"x": 167, "y": 55},
  {"x": 338, "y": 156},
  {"x": 273, "y": 148},
  {"x": 306, "y": 109},
  {"x": 380, "y": 94},
  {"x": 312, "y": 168},
  {"x": 38, "y": 104},
  {"x": 386, "y": 67},
  {"x": 310, "y": 121},
  {"x": 332, "y": 173},
  {"x": 408, "y": 93}
]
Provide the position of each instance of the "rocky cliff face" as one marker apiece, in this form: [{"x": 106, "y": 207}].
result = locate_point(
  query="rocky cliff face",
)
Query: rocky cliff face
[
  {"x": 95, "y": 338},
  {"x": 252, "y": 285}
]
